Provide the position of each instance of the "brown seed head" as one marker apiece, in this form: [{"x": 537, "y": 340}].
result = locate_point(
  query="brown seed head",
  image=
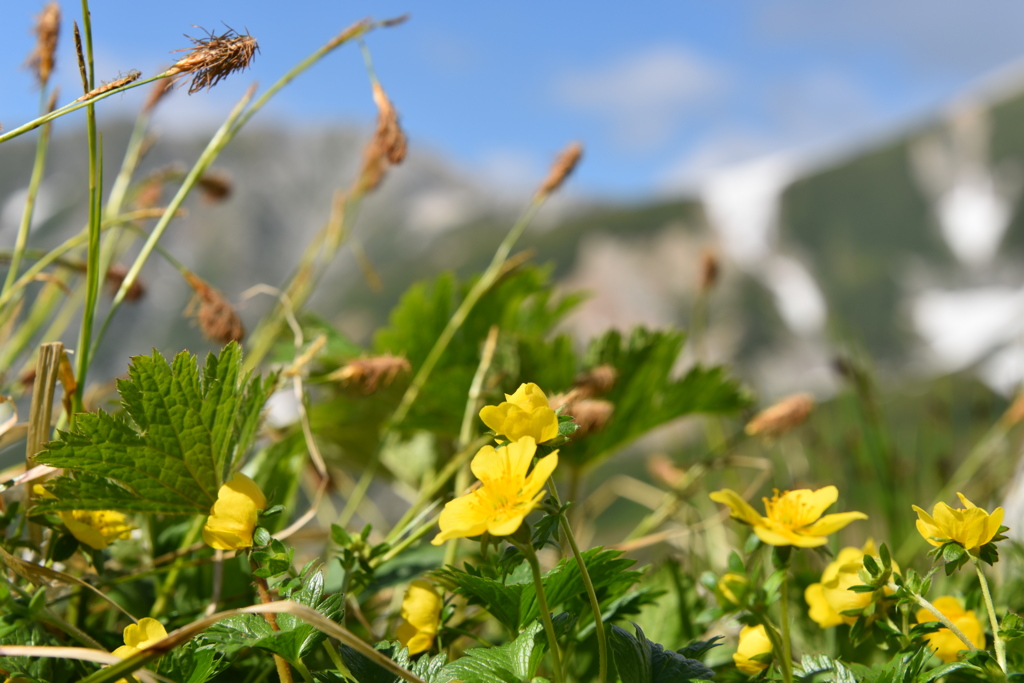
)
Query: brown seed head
[
  {"x": 213, "y": 58},
  {"x": 216, "y": 186},
  {"x": 591, "y": 414},
  {"x": 388, "y": 146},
  {"x": 708, "y": 270},
  {"x": 782, "y": 417},
  {"x": 1015, "y": 413},
  {"x": 217, "y": 318},
  {"x": 664, "y": 470},
  {"x": 596, "y": 381},
  {"x": 47, "y": 31},
  {"x": 132, "y": 76},
  {"x": 563, "y": 166},
  {"x": 115, "y": 277},
  {"x": 371, "y": 373}
]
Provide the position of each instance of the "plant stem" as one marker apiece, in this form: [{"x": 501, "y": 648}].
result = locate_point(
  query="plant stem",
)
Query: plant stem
[
  {"x": 595, "y": 606},
  {"x": 787, "y": 645},
  {"x": 1000, "y": 646},
  {"x": 284, "y": 672},
  {"x": 542, "y": 601},
  {"x": 942, "y": 618},
  {"x": 171, "y": 580}
]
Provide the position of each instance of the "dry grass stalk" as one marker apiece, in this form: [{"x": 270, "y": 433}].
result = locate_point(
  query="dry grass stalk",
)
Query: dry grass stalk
[
  {"x": 664, "y": 470},
  {"x": 213, "y": 58},
  {"x": 216, "y": 186},
  {"x": 1015, "y": 413},
  {"x": 371, "y": 373},
  {"x": 47, "y": 31},
  {"x": 156, "y": 93},
  {"x": 782, "y": 417},
  {"x": 217, "y": 318},
  {"x": 115, "y": 276},
  {"x": 388, "y": 146},
  {"x": 132, "y": 76},
  {"x": 560, "y": 170},
  {"x": 709, "y": 270}
]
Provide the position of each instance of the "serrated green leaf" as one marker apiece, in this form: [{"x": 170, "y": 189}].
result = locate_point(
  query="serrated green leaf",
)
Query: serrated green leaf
[
  {"x": 500, "y": 600},
  {"x": 812, "y": 665},
  {"x": 187, "y": 433},
  {"x": 638, "y": 660},
  {"x": 647, "y": 393},
  {"x": 513, "y": 662}
]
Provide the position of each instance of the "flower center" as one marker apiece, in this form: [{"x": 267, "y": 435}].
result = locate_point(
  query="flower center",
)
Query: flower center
[{"x": 789, "y": 510}]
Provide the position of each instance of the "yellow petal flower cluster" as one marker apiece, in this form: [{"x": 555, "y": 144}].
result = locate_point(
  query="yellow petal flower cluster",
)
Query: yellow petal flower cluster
[
  {"x": 832, "y": 595},
  {"x": 233, "y": 517},
  {"x": 421, "y": 612},
  {"x": 947, "y": 645},
  {"x": 792, "y": 517},
  {"x": 524, "y": 413},
  {"x": 971, "y": 527},
  {"x": 139, "y": 636},
  {"x": 506, "y": 496},
  {"x": 95, "y": 528},
  {"x": 753, "y": 641}
]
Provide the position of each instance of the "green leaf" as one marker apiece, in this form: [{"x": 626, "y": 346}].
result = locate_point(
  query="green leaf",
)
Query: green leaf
[
  {"x": 366, "y": 671},
  {"x": 638, "y": 660},
  {"x": 812, "y": 665},
  {"x": 514, "y": 662},
  {"x": 187, "y": 434},
  {"x": 501, "y": 601},
  {"x": 647, "y": 393}
]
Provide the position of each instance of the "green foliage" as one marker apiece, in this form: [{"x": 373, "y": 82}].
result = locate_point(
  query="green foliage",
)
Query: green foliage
[
  {"x": 907, "y": 667},
  {"x": 296, "y": 638},
  {"x": 514, "y": 604},
  {"x": 638, "y": 660},
  {"x": 814, "y": 666},
  {"x": 645, "y": 395},
  {"x": 186, "y": 433},
  {"x": 513, "y": 662},
  {"x": 365, "y": 671}
]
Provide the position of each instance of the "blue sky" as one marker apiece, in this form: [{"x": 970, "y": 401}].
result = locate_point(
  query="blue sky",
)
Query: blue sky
[{"x": 660, "y": 92}]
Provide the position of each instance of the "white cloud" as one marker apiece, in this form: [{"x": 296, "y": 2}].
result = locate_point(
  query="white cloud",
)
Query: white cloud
[{"x": 644, "y": 97}]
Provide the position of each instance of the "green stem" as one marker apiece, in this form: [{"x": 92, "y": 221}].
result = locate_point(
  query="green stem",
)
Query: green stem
[
  {"x": 30, "y": 202},
  {"x": 595, "y": 605},
  {"x": 787, "y": 644},
  {"x": 171, "y": 580},
  {"x": 542, "y": 602},
  {"x": 1000, "y": 646},
  {"x": 487, "y": 279},
  {"x": 942, "y": 618},
  {"x": 92, "y": 275}
]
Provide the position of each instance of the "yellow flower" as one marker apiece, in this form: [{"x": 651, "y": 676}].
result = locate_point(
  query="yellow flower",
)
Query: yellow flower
[
  {"x": 945, "y": 643},
  {"x": 971, "y": 527},
  {"x": 506, "y": 496},
  {"x": 139, "y": 636},
  {"x": 730, "y": 581},
  {"x": 233, "y": 517},
  {"x": 832, "y": 596},
  {"x": 95, "y": 528},
  {"x": 524, "y": 413},
  {"x": 753, "y": 641},
  {"x": 421, "y": 610},
  {"x": 792, "y": 517}
]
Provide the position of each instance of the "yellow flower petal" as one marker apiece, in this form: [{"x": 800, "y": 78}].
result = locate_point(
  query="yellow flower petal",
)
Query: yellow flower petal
[
  {"x": 753, "y": 641},
  {"x": 791, "y": 517},
  {"x": 508, "y": 493},
  {"x": 821, "y": 611},
  {"x": 97, "y": 528},
  {"x": 233, "y": 517},
  {"x": 947, "y": 646},
  {"x": 971, "y": 527},
  {"x": 421, "y": 612},
  {"x": 525, "y": 413},
  {"x": 145, "y": 633}
]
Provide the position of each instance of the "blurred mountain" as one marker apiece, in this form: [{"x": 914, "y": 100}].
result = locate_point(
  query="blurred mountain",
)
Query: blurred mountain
[{"x": 849, "y": 252}]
